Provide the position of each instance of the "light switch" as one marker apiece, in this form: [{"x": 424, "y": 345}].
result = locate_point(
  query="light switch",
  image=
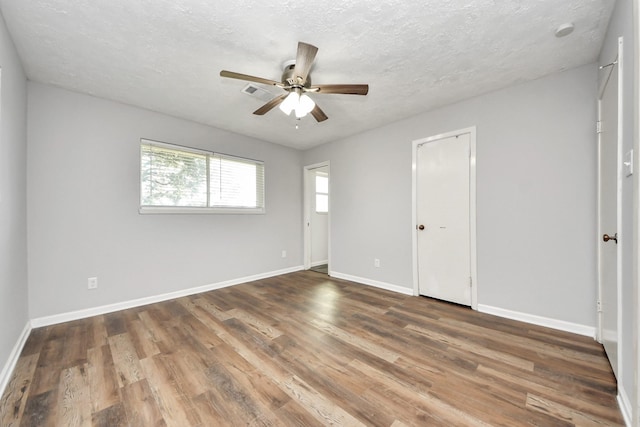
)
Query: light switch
[{"x": 628, "y": 163}]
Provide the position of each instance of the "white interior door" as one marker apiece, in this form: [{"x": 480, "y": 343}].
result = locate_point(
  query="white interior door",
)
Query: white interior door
[
  {"x": 443, "y": 218},
  {"x": 608, "y": 212}
]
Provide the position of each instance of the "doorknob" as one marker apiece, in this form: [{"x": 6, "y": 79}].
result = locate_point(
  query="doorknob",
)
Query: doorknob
[
  {"x": 606, "y": 238},
  {"x": 421, "y": 227}
]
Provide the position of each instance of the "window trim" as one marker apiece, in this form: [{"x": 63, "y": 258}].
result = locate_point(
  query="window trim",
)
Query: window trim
[{"x": 146, "y": 209}]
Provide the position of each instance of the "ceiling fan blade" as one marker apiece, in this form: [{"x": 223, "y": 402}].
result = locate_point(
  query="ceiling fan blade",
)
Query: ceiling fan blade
[
  {"x": 304, "y": 59},
  {"x": 232, "y": 75},
  {"x": 343, "y": 89},
  {"x": 270, "y": 105},
  {"x": 318, "y": 114}
]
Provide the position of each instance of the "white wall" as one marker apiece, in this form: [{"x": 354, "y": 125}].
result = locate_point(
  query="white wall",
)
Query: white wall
[
  {"x": 536, "y": 198},
  {"x": 13, "y": 207},
  {"x": 319, "y": 225},
  {"x": 621, "y": 24},
  {"x": 83, "y": 198}
]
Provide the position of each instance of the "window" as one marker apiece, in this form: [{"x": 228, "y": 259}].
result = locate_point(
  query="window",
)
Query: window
[
  {"x": 175, "y": 179},
  {"x": 322, "y": 192}
]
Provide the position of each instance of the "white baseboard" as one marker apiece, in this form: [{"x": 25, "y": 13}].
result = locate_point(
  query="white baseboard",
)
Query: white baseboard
[
  {"x": 374, "y": 283},
  {"x": 95, "y": 311},
  {"x": 625, "y": 406},
  {"x": 317, "y": 263},
  {"x": 8, "y": 368},
  {"x": 561, "y": 325}
]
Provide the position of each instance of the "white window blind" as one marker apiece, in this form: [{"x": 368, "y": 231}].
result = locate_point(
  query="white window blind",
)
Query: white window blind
[
  {"x": 236, "y": 182},
  {"x": 179, "y": 179}
]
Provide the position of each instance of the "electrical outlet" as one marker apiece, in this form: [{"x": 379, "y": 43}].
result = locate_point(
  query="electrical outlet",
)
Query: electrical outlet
[
  {"x": 376, "y": 262},
  {"x": 284, "y": 254},
  {"x": 92, "y": 283}
]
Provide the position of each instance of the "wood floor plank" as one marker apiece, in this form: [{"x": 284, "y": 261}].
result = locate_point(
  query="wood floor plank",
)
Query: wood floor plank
[
  {"x": 607, "y": 410},
  {"x": 15, "y": 396},
  {"x": 256, "y": 323},
  {"x": 115, "y": 324},
  {"x": 175, "y": 410},
  {"x": 558, "y": 411},
  {"x": 363, "y": 344},
  {"x": 408, "y": 411},
  {"x": 37, "y": 338},
  {"x": 50, "y": 362},
  {"x": 74, "y": 401},
  {"x": 140, "y": 406},
  {"x": 40, "y": 410},
  {"x": 195, "y": 328},
  {"x": 156, "y": 332},
  {"x": 125, "y": 359},
  {"x": 103, "y": 381},
  {"x": 97, "y": 336},
  {"x": 265, "y": 392},
  {"x": 142, "y": 339},
  {"x": 76, "y": 354},
  {"x": 319, "y": 406},
  {"x": 419, "y": 398},
  {"x": 185, "y": 369},
  {"x": 306, "y": 349},
  {"x": 590, "y": 355},
  {"x": 113, "y": 416},
  {"x": 338, "y": 388},
  {"x": 475, "y": 349},
  {"x": 205, "y": 406},
  {"x": 234, "y": 401},
  {"x": 293, "y": 414}
]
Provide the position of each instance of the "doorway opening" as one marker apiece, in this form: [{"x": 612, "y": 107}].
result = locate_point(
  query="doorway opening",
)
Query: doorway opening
[{"x": 317, "y": 217}]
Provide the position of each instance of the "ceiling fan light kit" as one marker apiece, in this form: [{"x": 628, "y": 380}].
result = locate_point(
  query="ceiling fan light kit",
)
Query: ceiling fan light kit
[
  {"x": 301, "y": 104},
  {"x": 296, "y": 82}
]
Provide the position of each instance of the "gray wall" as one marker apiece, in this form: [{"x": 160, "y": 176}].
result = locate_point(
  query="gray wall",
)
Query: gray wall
[
  {"x": 83, "y": 198},
  {"x": 13, "y": 207},
  {"x": 536, "y": 198},
  {"x": 621, "y": 24}
]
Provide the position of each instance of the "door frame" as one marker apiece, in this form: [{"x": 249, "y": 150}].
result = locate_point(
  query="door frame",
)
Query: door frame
[
  {"x": 619, "y": 172},
  {"x": 635, "y": 412},
  {"x": 306, "y": 225},
  {"x": 472, "y": 207}
]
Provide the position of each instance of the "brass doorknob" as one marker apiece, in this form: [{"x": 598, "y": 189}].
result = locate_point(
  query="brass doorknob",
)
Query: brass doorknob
[
  {"x": 421, "y": 227},
  {"x": 606, "y": 237}
]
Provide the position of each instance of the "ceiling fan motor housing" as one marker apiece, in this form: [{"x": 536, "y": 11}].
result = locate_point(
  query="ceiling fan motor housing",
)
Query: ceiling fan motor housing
[{"x": 288, "y": 77}]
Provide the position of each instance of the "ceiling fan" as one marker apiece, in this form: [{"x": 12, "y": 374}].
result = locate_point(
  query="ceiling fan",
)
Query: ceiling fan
[{"x": 297, "y": 83}]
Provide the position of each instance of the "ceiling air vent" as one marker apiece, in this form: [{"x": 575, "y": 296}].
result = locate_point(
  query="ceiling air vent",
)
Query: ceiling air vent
[{"x": 257, "y": 92}]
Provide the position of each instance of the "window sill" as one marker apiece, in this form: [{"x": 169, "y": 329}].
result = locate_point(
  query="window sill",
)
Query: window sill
[{"x": 170, "y": 210}]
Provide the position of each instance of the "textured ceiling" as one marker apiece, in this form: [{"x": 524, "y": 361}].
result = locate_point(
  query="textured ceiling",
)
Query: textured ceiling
[{"x": 166, "y": 55}]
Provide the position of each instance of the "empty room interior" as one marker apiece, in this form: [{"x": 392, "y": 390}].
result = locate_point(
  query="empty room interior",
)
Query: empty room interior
[{"x": 400, "y": 213}]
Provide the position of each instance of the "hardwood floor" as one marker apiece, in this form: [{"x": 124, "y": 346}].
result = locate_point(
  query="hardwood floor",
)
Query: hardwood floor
[{"x": 304, "y": 350}]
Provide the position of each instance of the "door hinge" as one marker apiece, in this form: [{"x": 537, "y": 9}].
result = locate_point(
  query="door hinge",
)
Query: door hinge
[
  {"x": 598, "y": 126},
  {"x": 470, "y": 281},
  {"x": 599, "y": 306}
]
